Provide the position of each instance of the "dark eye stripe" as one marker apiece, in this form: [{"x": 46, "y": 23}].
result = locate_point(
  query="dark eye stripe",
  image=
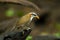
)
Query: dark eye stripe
[{"x": 34, "y": 14}]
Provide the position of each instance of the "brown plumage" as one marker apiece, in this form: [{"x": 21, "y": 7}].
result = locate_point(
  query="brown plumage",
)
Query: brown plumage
[{"x": 24, "y": 19}]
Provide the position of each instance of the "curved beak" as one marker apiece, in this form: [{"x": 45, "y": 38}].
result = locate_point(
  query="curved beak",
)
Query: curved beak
[{"x": 37, "y": 17}]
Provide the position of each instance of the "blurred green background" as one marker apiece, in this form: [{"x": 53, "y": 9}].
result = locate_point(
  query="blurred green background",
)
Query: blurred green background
[{"x": 49, "y": 22}]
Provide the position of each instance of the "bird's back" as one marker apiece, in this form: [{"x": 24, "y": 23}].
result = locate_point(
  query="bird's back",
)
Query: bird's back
[{"x": 23, "y": 20}]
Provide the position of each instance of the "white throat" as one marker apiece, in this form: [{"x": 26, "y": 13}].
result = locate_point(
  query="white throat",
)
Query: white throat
[{"x": 31, "y": 18}]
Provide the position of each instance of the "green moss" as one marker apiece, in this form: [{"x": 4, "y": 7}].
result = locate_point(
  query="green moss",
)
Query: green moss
[
  {"x": 29, "y": 38},
  {"x": 9, "y": 12},
  {"x": 20, "y": 13},
  {"x": 57, "y": 34},
  {"x": 57, "y": 25}
]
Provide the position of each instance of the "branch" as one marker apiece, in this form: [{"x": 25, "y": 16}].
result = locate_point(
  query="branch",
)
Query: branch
[{"x": 23, "y": 2}]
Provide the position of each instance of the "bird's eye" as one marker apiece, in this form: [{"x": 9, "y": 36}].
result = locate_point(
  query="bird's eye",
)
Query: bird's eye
[{"x": 33, "y": 15}]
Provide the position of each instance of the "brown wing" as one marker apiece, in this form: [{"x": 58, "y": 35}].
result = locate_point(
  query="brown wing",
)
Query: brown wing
[{"x": 23, "y": 19}]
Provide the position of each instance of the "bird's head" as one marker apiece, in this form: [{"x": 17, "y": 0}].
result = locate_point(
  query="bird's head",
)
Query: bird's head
[{"x": 33, "y": 15}]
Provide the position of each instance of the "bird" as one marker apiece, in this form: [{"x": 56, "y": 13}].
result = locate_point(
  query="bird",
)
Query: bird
[{"x": 25, "y": 20}]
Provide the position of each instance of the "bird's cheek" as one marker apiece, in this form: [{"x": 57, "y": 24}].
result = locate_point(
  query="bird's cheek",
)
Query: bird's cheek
[{"x": 30, "y": 15}]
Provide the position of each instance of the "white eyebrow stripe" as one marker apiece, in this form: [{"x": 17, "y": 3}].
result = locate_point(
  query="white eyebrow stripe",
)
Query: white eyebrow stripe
[{"x": 34, "y": 13}]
